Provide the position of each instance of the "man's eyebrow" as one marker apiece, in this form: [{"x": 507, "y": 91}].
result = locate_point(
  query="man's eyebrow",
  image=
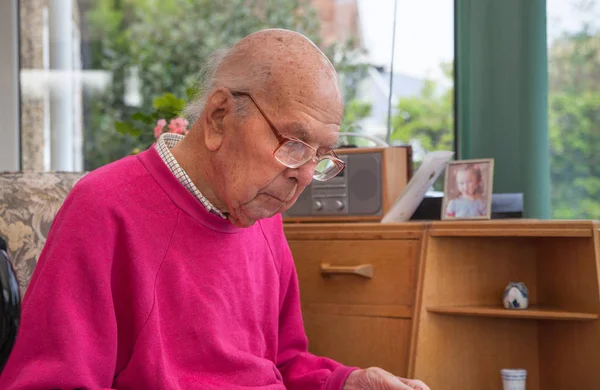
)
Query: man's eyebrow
[{"x": 299, "y": 131}]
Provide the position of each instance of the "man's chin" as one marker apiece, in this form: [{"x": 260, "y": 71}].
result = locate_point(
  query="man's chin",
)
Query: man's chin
[
  {"x": 246, "y": 218},
  {"x": 241, "y": 223}
]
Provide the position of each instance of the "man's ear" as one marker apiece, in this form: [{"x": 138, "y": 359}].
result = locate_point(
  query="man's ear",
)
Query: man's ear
[{"x": 219, "y": 107}]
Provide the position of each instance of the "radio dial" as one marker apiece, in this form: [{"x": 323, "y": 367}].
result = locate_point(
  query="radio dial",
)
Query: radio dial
[
  {"x": 339, "y": 205},
  {"x": 318, "y": 205}
]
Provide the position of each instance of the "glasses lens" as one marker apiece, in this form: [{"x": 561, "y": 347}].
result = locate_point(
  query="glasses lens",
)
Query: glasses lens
[
  {"x": 326, "y": 169},
  {"x": 293, "y": 154}
]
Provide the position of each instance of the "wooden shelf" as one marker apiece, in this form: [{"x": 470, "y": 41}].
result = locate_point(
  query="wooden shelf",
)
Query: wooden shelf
[
  {"x": 512, "y": 228},
  {"x": 531, "y": 313}
]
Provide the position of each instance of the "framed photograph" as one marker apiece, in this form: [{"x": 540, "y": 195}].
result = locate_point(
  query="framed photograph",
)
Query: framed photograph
[{"x": 468, "y": 189}]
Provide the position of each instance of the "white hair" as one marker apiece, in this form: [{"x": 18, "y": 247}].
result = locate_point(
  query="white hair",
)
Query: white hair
[
  {"x": 249, "y": 78},
  {"x": 207, "y": 82}
]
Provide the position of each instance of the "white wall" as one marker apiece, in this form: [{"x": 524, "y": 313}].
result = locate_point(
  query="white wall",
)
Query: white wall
[{"x": 9, "y": 87}]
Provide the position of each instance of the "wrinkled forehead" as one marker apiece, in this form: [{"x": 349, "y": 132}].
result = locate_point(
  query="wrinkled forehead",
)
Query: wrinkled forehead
[
  {"x": 318, "y": 91},
  {"x": 312, "y": 112}
]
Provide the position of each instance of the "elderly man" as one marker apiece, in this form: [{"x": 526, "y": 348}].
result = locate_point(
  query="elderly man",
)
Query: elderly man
[{"x": 170, "y": 269}]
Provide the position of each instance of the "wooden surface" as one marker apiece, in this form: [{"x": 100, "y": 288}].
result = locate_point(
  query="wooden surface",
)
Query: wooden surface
[
  {"x": 459, "y": 320},
  {"x": 360, "y": 341},
  {"x": 434, "y": 306},
  {"x": 395, "y": 179},
  {"x": 357, "y": 321},
  {"x": 473, "y": 271},
  {"x": 392, "y": 311},
  {"x": 467, "y": 353},
  {"x": 416, "y": 229},
  {"x": 414, "y": 334},
  {"x": 511, "y": 228},
  {"x": 353, "y": 231},
  {"x": 568, "y": 279},
  {"x": 394, "y": 271},
  {"x": 533, "y": 312}
]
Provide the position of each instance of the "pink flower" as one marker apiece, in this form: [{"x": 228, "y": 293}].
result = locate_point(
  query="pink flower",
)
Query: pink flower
[
  {"x": 160, "y": 125},
  {"x": 178, "y": 126}
]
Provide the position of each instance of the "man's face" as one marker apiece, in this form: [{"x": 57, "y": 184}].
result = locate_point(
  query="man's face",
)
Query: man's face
[{"x": 257, "y": 185}]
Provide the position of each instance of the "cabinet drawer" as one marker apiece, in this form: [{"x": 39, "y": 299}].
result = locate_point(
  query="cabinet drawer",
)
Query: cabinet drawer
[
  {"x": 394, "y": 264},
  {"x": 360, "y": 341}
]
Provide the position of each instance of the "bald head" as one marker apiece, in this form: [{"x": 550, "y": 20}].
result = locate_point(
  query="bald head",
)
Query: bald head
[
  {"x": 279, "y": 56},
  {"x": 274, "y": 63},
  {"x": 272, "y": 89}
]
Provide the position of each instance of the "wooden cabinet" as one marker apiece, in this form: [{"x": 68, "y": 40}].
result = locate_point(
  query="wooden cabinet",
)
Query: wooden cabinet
[
  {"x": 433, "y": 306},
  {"x": 327, "y": 271},
  {"x": 359, "y": 340},
  {"x": 360, "y": 319}
]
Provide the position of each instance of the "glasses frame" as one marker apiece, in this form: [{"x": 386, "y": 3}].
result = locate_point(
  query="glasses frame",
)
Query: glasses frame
[{"x": 282, "y": 139}]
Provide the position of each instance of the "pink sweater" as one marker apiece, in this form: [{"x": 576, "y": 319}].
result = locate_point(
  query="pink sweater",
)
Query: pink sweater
[{"x": 140, "y": 287}]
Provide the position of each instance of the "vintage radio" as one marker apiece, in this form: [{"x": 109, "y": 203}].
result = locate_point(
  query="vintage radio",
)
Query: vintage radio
[{"x": 364, "y": 191}]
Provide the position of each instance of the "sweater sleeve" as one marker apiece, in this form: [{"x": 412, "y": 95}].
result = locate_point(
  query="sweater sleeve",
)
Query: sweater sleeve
[
  {"x": 68, "y": 333},
  {"x": 300, "y": 369}
]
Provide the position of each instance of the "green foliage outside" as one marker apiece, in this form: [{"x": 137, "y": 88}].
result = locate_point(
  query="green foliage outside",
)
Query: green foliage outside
[
  {"x": 574, "y": 124},
  {"x": 428, "y": 118},
  {"x": 573, "y": 121},
  {"x": 165, "y": 42}
]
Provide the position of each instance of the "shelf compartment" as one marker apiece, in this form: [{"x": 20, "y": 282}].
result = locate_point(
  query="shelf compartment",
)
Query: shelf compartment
[{"x": 534, "y": 312}]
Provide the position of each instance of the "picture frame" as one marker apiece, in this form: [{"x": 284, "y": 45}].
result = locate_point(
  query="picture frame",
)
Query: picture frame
[{"x": 468, "y": 188}]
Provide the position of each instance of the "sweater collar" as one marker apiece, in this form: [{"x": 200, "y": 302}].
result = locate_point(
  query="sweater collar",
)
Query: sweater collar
[
  {"x": 179, "y": 195},
  {"x": 164, "y": 144}
]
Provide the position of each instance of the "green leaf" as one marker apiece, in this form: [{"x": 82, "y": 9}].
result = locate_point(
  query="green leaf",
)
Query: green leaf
[
  {"x": 169, "y": 102},
  {"x": 135, "y": 132},
  {"x": 128, "y": 128},
  {"x": 139, "y": 116},
  {"x": 124, "y": 127}
]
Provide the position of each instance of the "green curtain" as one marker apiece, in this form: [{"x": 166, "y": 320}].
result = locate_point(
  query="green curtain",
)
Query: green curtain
[{"x": 502, "y": 97}]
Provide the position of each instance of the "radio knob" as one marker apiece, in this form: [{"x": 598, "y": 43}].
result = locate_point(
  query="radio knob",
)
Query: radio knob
[
  {"x": 339, "y": 205},
  {"x": 318, "y": 205}
]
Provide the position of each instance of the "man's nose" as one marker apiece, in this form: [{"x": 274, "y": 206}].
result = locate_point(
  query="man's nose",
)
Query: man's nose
[{"x": 303, "y": 174}]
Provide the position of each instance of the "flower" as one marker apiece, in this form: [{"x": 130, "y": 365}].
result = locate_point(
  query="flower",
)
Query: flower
[
  {"x": 176, "y": 125},
  {"x": 160, "y": 125}
]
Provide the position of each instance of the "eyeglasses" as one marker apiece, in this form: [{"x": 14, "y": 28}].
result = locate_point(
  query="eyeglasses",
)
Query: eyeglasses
[{"x": 293, "y": 153}]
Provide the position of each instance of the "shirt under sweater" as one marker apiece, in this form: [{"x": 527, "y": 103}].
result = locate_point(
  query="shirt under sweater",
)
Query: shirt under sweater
[{"x": 139, "y": 287}]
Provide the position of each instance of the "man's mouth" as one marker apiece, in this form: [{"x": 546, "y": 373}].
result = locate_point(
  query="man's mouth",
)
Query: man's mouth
[{"x": 285, "y": 199}]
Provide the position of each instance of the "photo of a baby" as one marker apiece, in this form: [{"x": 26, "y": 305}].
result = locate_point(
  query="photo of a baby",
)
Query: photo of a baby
[{"x": 468, "y": 189}]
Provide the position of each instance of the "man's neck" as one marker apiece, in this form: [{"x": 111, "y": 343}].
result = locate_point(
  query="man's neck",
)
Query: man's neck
[{"x": 197, "y": 167}]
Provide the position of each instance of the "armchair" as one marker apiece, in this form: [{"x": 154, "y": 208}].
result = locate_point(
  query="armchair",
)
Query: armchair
[{"x": 28, "y": 204}]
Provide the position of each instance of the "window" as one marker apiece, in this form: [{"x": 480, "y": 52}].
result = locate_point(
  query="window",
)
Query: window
[
  {"x": 574, "y": 107},
  {"x": 91, "y": 70},
  {"x": 9, "y": 89}
]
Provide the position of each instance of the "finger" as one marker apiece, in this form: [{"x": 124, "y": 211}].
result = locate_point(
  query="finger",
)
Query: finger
[
  {"x": 395, "y": 383},
  {"x": 414, "y": 384}
]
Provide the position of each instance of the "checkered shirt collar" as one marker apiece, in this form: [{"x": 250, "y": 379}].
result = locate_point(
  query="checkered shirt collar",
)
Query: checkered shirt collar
[{"x": 163, "y": 145}]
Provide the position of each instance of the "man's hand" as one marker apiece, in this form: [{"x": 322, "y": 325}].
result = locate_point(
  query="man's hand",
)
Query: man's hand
[{"x": 377, "y": 379}]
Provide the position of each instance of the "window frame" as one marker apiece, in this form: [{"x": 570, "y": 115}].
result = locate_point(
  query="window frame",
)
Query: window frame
[{"x": 10, "y": 101}]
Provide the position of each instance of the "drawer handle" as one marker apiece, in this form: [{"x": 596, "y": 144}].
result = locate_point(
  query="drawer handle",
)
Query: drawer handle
[{"x": 364, "y": 270}]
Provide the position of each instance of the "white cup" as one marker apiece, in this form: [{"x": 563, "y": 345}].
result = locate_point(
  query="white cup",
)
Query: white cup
[{"x": 513, "y": 379}]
